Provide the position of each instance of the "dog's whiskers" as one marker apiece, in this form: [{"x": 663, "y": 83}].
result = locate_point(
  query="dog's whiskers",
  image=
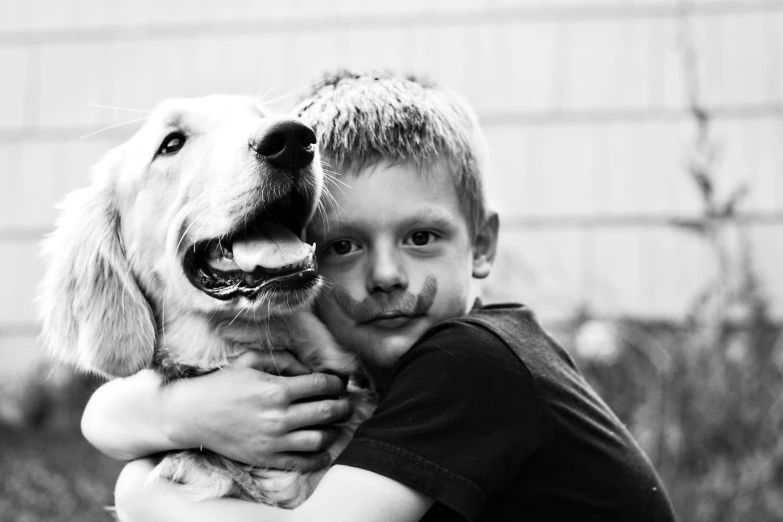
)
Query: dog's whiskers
[
  {"x": 112, "y": 127},
  {"x": 262, "y": 97},
  {"x": 267, "y": 329},
  {"x": 241, "y": 310},
  {"x": 269, "y": 342},
  {"x": 334, "y": 177},
  {"x": 329, "y": 197},
  {"x": 182, "y": 237},
  {"x": 114, "y": 108},
  {"x": 321, "y": 210},
  {"x": 163, "y": 318},
  {"x": 289, "y": 93},
  {"x": 204, "y": 222}
]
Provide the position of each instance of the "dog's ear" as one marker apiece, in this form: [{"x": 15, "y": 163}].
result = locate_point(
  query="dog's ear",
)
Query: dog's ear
[{"x": 93, "y": 313}]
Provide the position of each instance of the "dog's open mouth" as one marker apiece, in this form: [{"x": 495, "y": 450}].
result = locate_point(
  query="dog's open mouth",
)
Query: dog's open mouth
[{"x": 267, "y": 253}]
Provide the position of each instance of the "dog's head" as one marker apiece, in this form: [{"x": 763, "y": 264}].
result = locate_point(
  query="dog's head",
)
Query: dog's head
[{"x": 200, "y": 212}]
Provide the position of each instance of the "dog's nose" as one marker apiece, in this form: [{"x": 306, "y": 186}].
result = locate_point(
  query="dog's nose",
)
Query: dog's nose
[{"x": 286, "y": 143}]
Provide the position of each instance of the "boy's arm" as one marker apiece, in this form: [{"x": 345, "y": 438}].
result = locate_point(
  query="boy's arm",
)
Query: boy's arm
[
  {"x": 240, "y": 412},
  {"x": 345, "y": 494},
  {"x": 124, "y": 418}
]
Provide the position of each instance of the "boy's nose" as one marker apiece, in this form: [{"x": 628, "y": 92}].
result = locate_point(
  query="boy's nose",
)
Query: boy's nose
[{"x": 386, "y": 273}]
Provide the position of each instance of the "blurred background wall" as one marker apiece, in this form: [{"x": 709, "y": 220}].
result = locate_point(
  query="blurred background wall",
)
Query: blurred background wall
[{"x": 601, "y": 117}]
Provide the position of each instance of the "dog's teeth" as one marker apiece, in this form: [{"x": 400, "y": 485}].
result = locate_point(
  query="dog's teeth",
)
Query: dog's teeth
[{"x": 225, "y": 251}]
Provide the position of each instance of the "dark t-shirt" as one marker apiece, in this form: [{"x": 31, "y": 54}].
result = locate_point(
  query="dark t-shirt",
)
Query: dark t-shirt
[{"x": 490, "y": 417}]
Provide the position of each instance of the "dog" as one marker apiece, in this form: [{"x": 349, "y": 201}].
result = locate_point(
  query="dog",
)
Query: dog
[{"x": 185, "y": 251}]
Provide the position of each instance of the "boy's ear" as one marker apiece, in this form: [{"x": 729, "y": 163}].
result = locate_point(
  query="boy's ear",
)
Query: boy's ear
[{"x": 485, "y": 246}]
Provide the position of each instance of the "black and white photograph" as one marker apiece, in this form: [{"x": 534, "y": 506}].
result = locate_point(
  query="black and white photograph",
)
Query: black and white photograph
[{"x": 372, "y": 261}]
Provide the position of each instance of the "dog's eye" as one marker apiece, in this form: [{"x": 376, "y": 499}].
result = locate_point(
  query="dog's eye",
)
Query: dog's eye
[{"x": 172, "y": 143}]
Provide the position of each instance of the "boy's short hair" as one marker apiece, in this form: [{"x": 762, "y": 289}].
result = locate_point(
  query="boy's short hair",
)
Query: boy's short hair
[{"x": 363, "y": 119}]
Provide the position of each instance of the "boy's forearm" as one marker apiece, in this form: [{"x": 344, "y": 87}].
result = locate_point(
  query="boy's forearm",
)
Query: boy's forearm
[
  {"x": 138, "y": 499},
  {"x": 238, "y": 412},
  {"x": 345, "y": 495},
  {"x": 127, "y": 418}
]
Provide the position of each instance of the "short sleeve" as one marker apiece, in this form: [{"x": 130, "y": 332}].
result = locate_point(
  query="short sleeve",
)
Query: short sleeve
[{"x": 459, "y": 419}]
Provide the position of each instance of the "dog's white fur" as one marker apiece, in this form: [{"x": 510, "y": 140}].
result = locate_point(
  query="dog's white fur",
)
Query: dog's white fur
[{"x": 115, "y": 293}]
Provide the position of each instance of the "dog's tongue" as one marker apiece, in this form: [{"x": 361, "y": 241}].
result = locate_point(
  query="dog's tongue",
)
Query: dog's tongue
[{"x": 271, "y": 245}]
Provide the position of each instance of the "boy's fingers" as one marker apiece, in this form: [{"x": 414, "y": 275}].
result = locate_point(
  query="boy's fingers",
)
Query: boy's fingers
[
  {"x": 133, "y": 478},
  {"x": 309, "y": 441},
  {"x": 315, "y": 413},
  {"x": 275, "y": 363},
  {"x": 305, "y": 462},
  {"x": 313, "y": 385}
]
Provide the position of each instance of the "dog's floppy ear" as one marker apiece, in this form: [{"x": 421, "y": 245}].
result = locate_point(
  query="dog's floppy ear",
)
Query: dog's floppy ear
[{"x": 94, "y": 314}]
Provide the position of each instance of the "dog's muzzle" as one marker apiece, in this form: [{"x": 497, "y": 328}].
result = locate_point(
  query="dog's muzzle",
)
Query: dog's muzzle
[{"x": 268, "y": 253}]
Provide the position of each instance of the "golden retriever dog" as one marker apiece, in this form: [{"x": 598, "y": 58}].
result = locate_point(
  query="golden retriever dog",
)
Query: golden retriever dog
[{"x": 186, "y": 251}]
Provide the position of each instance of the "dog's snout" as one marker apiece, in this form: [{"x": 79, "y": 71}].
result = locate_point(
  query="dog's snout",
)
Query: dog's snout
[{"x": 286, "y": 143}]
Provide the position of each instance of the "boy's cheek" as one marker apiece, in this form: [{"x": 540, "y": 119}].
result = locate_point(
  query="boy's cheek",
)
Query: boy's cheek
[
  {"x": 328, "y": 310},
  {"x": 337, "y": 270}
]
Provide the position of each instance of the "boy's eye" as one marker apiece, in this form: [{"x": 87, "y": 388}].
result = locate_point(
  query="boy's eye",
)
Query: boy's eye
[
  {"x": 422, "y": 238},
  {"x": 341, "y": 247}
]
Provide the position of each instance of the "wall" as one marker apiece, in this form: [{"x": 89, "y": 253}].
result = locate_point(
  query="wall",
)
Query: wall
[{"x": 583, "y": 102}]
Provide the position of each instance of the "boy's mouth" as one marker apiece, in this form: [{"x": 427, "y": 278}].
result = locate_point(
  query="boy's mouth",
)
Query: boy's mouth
[
  {"x": 391, "y": 320},
  {"x": 392, "y": 314}
]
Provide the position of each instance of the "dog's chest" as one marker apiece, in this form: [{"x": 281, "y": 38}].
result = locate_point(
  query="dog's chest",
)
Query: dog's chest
[{"x": 190, "y": 346}]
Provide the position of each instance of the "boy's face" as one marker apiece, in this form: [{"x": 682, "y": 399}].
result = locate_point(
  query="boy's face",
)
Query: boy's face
[{"x": 397, "y": 251}]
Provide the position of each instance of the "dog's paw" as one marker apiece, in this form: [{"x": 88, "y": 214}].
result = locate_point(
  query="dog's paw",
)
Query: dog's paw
[{"x": 200, "y": 475}]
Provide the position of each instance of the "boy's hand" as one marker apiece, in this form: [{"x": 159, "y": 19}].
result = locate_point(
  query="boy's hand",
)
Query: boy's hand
[{"x": 256, "y": 417}]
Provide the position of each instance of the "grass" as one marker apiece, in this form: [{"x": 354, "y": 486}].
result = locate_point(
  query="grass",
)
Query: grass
[
  {"x": 50, "y": 473},
  {"x": 706, "y": 404}
]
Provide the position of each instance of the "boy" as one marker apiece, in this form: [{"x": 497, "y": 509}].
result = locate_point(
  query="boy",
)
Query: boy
[{"x": 482, "y": 416}]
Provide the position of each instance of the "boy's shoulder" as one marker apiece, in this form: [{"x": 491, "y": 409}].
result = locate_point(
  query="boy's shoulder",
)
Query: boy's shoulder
[
  {"x": 491, "y": 316},
  {"x": 512, "y": 326},
  {"x": 498, "y": 340},
  {"x": 500, "y": 316},
  {"x": 482, "y": 346},
  {"x": 479, "y": 331}
]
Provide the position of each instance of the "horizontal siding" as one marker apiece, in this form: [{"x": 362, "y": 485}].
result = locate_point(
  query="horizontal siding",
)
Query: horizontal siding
[
  {"x": 630, "y": 168},
  {"x": 22, "y": 268},
  {"x": 548, "y": 67},
  {"x": 583, "y": 105},
  {"x": 647, "y": 272},
  {"x": 48, "y": 15},
  {"x": 15, "y": 62},
  {"x": 40, "y": 174}
]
